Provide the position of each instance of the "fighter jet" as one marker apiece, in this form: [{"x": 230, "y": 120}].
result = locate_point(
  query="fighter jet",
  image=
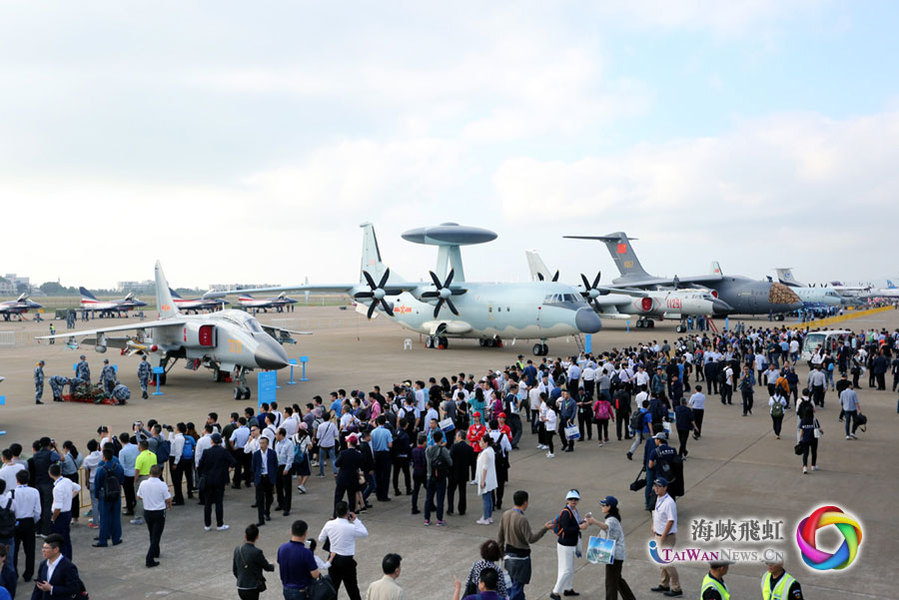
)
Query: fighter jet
[
  {"x": 642, "y": 306},
  {"x": 744, "y": 295},
  {"x": 255, "y": 304},
  {"x": 17, "y": 307},
  {"x": 109, "y": 308},
  {"x": 208, "y": 301},
  {"x": 224, "y": 341},
  {"x": 448, "y": 306}
]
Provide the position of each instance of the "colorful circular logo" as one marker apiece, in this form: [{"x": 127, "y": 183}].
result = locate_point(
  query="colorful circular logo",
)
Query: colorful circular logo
[{"x": 845, "y": 554}]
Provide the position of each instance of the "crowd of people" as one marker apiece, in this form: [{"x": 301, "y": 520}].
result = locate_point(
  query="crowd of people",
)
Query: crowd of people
[{"x": 429, "y": 441}]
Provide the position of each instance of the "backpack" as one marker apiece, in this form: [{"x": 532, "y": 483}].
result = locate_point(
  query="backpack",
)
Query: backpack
[
  {"x": 722, "y": 375},
  {"x": 440, "y": 466},
  {"x": 163, "y": 452},
  {"x": 189, "y": 444},
  {"x": 602, "y": 410},
  {"x": 637, "y": 420},
  {"x": 557, "y": 528},
  {"x": 116, "y": 445},
  {"x": 112, "y": 488},
  {"x": 778, "y": 409},
  {"x": 8, "y": 518}
]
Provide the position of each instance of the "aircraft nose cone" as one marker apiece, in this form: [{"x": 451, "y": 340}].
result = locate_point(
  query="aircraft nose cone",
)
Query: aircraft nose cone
[
  {"x": 587, "y": 320},
  {"x": 270, "y": 355},
  {"x": 720, "y": 307}
]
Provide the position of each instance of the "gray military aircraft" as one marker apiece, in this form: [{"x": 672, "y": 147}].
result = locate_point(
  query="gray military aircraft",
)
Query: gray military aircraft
[
  {"x": 744, "y": 295},
  {"x": 208, "y": 301},
  {"x": 810, "y": 295},
  {"x": 224, "y": 341},
  {"x": 17, "y": 307},
  {"x": 640, "y": 305},
  {"x": 450, "y": 307},
  {"x": 109, "y": 308},
  {"x": 276, "y": 303}
]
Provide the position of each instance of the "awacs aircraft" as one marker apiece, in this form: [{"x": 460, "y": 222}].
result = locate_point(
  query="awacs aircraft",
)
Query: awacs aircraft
[
  {"x": 277, "y": 302},
  {"x": 809, "y": 295},
  {"x": 746, "y": 296},
  {"x": 17, "y": 307},
  {"x": 224, "y": 341},
  {"x": 641, "y": 305},
  {"x": 208, "y": 301},
  {"x": 109, "y": 308},
  {"x": 450, "y": 307}
]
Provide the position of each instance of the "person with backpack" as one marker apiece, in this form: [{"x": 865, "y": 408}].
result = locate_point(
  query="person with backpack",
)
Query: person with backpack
[
  {"x": 602, "y": 412},
  {"x": 746, "y": 385},
  {"x": 567, "y": 526},
  {"x": 622, "y": 401},
  {"x": 301, "y": 444},
  {"x": 777, "y": 404},
  {"x": 641, "y": 422},
  {"x": 439, "y": 464},
  {"x": 108, "y": 489}
]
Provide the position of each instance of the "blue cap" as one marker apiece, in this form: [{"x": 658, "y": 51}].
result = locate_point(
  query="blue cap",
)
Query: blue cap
[
  {"x": 609, "y": 501},
  {"x": 661, "y": 481}
]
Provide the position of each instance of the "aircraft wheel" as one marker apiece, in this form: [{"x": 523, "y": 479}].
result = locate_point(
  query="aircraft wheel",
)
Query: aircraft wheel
[
  {"x": 679, "y": 329},
  {"x": 650, "y": 323},
  {"x": 545, "y": 350},
  {"x": 639, "y": 323},
  {"x": 429, "y": 342},
  {"x": 538, "y": 349},
  {"x": 246, "y": 394},
  {"x": 498, "y": 343},
  {"x": 482, "y": 343},
  {"x": 442, "y": 343},
  {"x": 237, "y": 394}
]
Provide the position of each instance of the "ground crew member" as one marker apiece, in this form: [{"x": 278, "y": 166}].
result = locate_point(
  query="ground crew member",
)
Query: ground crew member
[
  {"x": 52, "y": 332},
  {"x": 57, "y": 383},
  {"x": 143, "y": 374},
  {"x": 777, "y": 584},
  {"x": 121, "y": 393},
  {"x": 107, "y": 376},
  {"x": 713, "y": 586},
  {"x": 83, "y": 370},
  {"x": 39, "y": 382}
]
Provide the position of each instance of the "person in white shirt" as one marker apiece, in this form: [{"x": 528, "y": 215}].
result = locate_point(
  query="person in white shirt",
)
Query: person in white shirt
[
  {"x": 549, "y": 423},
  {"x": 155, "y": 495},
  {"x": 176, "y": 442},
  {"x": 9, "y": 469},
  {"x": 697, "y": 403},
  {"x": 290, "y": 423},
  {"x": 326, "y": 435},
  {"x": 284, "y": 448},
  {"x": 664, "y": 530},
  {"x": 90, "y": 465},
  {"x": 203, "y": 444},
  {"x": 27, "y": 506},
  {"x": 342, "y": 532},
  {"x": 63, "y": 491}
]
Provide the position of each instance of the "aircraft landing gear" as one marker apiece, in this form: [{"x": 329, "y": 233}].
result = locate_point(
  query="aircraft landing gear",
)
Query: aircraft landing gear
[
  {"x": 436, "y": 341},
  {"x": 681, "y": 328},
  {"x": 541, "y": 349},
  {"x": 493, "y": 342},
  {"x": 217, "y": 375},
  {"x": 645, "y": 323},
  {"x": 241, "y": 389}
]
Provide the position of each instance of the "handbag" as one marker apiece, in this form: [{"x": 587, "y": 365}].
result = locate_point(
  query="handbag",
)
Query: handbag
[
  {"x": 572, "y": 432},
  {"x": 640, "y": 482},
  {"x": 797, "y": 449},
  {"x": 321, "y": 589}
]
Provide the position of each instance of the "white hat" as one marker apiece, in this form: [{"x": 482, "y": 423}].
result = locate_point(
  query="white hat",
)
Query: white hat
[{"x": 573, "y": 495}]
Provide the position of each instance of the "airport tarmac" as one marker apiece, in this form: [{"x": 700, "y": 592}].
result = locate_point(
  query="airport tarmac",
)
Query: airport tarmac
[{"x": 737, "y": 471}]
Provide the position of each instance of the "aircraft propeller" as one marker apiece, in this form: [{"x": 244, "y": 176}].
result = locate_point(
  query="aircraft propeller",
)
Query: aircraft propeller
[
  {"x": 376, "y": 293},
  {"x": 590, "y": 292},
  {"x": 555, "y": 276},
  {"x": 443, "y": 293}
]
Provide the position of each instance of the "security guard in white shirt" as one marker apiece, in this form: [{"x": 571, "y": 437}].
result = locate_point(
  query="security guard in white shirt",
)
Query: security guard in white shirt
[{"x": 27, "y": 506}]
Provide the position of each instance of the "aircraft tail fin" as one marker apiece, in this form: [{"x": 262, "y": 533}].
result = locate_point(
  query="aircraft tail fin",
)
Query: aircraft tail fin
[
  {"x": 537, "y": 267},
  {"x": 785, "y": 276},
  {"x": 371, "y": 256},
  {"x": 86, "y": 295},
  {"x": 890, "y": 284},
  {"x": 164, "y": 302},
  {"x": 715, "y": 269},
  {"x": 174, "y": 294},
  {"x": 619, "y": 246}
]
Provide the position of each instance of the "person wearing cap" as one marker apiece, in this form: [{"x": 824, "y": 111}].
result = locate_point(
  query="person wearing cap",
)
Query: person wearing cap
[
  {"x": 38, "y": 382},
  {"x": 777, "y": 584},
  {"x": 83, "y": 370},
  {"x": 713, "y": 586},
  {"x": 568, "y": 526},
  {"x": 107, "y": 376},
  {"x": 664, "y": 530},
  {"x": 610, "y": 528},
  {"x": 213, "y": 470},
  {"x": 349, "y": 464}
]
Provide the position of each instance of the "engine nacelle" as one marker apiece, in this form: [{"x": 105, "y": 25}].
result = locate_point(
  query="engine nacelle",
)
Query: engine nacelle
[
  {"x": 646, "y": 305},
  {"x": 100, "y": 349},
  {"x": 197, "y": 335}
]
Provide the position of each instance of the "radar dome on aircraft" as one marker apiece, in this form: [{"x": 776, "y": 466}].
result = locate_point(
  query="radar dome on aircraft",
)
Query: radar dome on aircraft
[{"x": 449, "y": 234}]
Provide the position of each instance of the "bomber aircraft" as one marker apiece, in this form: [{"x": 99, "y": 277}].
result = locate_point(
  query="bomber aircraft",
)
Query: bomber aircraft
[
  {"x": 746, "y": 296},
  {"x": 641, "y": 305},
  {"x": 449, "y": 306},
  {"x": 17, "y": 307},
  {"x": 223, "y": 341},
  {"x": 109, "y": 308}
]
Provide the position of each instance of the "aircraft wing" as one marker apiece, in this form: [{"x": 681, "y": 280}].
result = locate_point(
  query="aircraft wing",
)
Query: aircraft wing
[
  {"x": 283, "y": 335},
  {"x": 703, "y": 280},
  {"x": 337, "y": 288},
  {"x": 127, "y": 327}
]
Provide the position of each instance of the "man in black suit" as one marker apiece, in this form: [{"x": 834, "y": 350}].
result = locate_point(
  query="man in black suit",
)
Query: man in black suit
[
  {"x": 57, "y": 576},
  {"x": 38, "y": 469},
  {"x": 463, "y": 458},
  {"x": 349, "y": 464},
  {"x": 213, "y": 469},
  {"x": 265, "y": 469}
]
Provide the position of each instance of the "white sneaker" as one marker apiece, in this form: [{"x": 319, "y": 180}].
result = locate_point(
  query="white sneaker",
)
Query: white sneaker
[
  {"x": 482, "y": 521},
  {"x": 207, "y": 528},
  {"x": 490, "y": 520},
  {"x": 473, "y": 482},
  {"x": 302, "y": 489},
  {"x": 223, "y": 528},
  {"x": 542, "y": 447},
  {"x": 848, "y": 438},
  {"x": 853, "y": 436},
  {"x": 550, "y": 455},
  {"x": 137, "y": 521}
]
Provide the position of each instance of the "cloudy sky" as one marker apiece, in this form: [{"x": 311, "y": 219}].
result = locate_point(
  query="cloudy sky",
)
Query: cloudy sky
[{"x": 246, "y": 141}]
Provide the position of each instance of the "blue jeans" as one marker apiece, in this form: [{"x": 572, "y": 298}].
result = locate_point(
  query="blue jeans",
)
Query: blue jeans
[
  {"x": 110, "y": 521},
  {"x": 516, "y": 591},
  {"x": 292, "y": 594},
  {"x": 323, "y": 454},
  {"x": 849, "y": 416},
  {"x": 487, "y": 499}
]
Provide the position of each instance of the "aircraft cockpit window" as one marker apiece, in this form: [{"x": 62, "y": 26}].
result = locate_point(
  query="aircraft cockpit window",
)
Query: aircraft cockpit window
[
  {"x": 570, "y": 298},
  {"x": 254, "y": 325}
]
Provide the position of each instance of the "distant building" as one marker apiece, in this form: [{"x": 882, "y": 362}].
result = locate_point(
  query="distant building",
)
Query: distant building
[
  {"x": 147, "y": 286},
  {"x": 12, "y": 283}
]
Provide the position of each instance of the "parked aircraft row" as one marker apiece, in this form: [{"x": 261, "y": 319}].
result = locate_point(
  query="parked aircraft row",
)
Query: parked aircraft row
[{"x": 17, "y": 307}]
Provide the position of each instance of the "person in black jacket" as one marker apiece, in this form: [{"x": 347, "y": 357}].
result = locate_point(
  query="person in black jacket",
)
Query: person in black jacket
[
  {"x": 349, "y": 465},
  {"x": 213, "y": 469},
  {"x": 265, "y": 469},
  {"x": 249, "y": 563},
  {"x": 568, "y": 532},
  {"x": 64, "y": 582},
  {"x": 463, "y": 456},
  {"x": 38, "y": 469},
  {"x": 402, "y": 455}
]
